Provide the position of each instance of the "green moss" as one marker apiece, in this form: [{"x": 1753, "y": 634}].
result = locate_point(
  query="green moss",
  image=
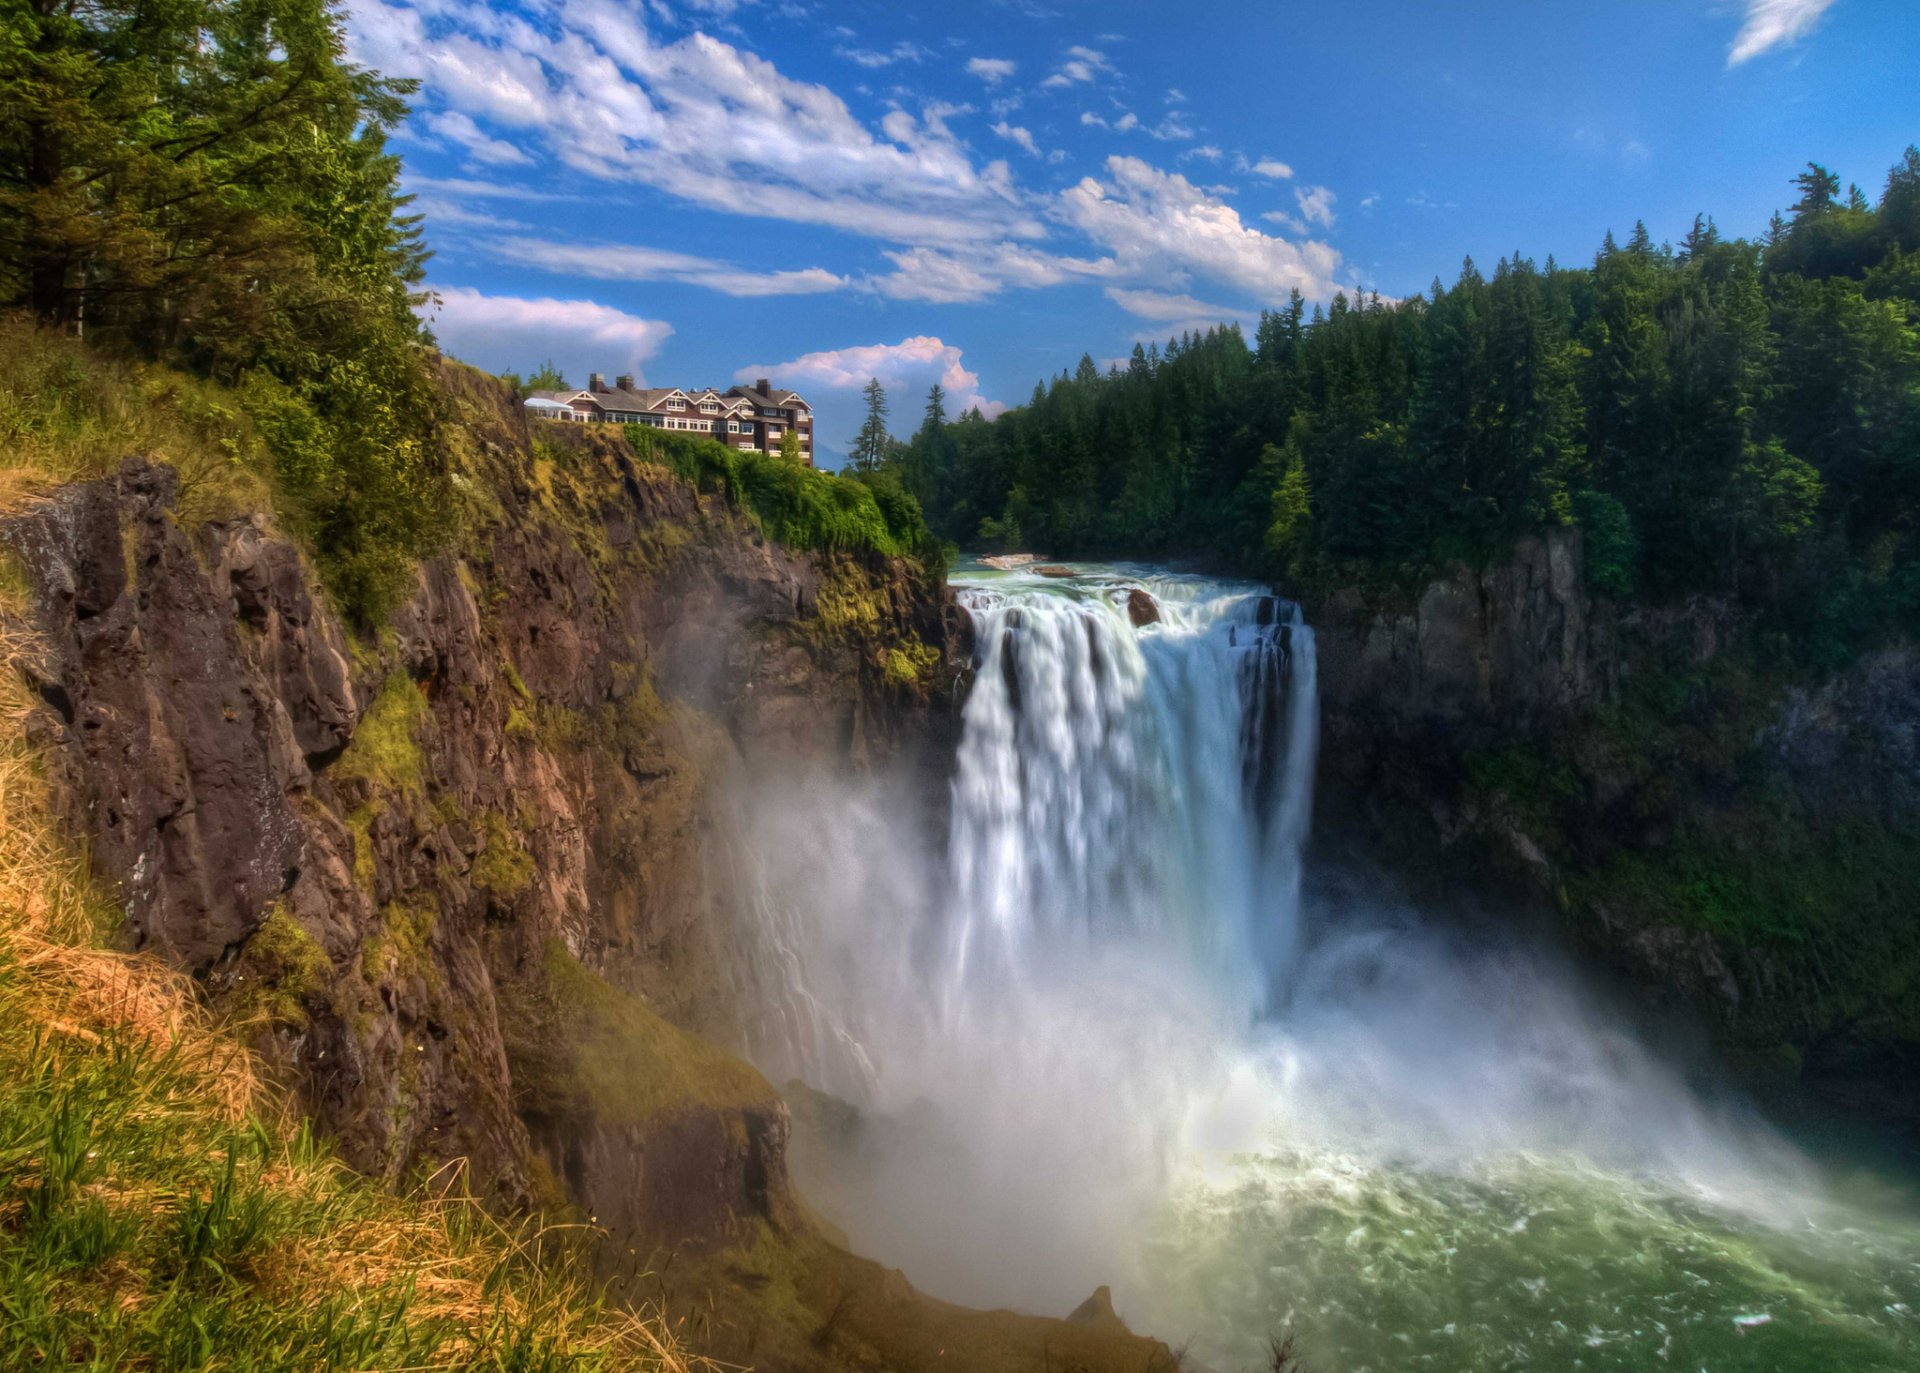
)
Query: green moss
[
  {"x": 384, "y": 750},
  {"x": 502, "y": 867},
  {"x": 911, "y": 666},
  {"x": 515, "y": 680},
  {"x": 402, "y": 948},
  {"x": 280, "y": 966},
  {"x": 360, "y": 824},
  {"x": 520, "y": 725},
  {"x": 628, "y": 1063}
]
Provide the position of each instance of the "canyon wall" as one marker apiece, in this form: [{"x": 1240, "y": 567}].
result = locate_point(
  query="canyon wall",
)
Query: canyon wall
[
  {"x": 462, "y": 879},
  {"x": 1732, "y": 832}
]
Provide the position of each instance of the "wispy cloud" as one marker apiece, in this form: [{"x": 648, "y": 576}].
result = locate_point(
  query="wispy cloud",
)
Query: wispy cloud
[
  {"x": 1081, "y": 67},
  {"x": 632, "y": 262},
  {"x": 907, "y": 368},
  {"x": 899, "y": 52},
  {"x": 1769, "y": 23},
  {"x": 1316, "y": 204},
  {"x": 1019, "y": 137},
  {"x": 515, "y": 333},
  {"x": 1165, "y": 306},
  {"x": 699, "y": 118}
]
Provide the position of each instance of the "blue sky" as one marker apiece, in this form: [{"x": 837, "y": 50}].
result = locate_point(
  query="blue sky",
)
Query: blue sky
[{"x": 818, "y": 191}]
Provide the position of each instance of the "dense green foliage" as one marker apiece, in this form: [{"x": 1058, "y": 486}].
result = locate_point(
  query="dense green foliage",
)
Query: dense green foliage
[
  {"x": 206, "y": 183},
  {"x": 1731, "y": 416},
  {"x": 795, "y": 504}
]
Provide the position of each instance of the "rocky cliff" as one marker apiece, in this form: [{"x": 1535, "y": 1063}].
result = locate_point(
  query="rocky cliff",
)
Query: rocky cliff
[
  {"x": 461, "y": 880},
  {"x": 1731, "y": 832}
]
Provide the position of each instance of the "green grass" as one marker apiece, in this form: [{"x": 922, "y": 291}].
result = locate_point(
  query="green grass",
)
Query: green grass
[{"x": 797, "y": 506}]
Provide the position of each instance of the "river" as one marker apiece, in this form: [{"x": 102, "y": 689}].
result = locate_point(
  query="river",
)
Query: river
[{"x": 1104, "y": 1019}]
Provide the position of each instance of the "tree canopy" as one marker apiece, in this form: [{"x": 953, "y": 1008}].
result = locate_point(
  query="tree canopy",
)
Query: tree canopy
[
  {"x": 1732, "y": 416},
  {"x": 207, "y": 183}
]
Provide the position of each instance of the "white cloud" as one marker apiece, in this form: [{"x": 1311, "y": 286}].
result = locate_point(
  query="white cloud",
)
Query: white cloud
[
  {"x": 1158, "y": 222},
  {"x": 1316, "y": 204},
  {"x": 955, "y": 277},
  {"x": 832, "y": 380},
  {"x": 1269, "y": 167},
  {"x": 992, "y": 70},
  {"x": 1290, "y": 222},
  {"x": 1019, "y": 137},
  {"x": 631, "y": 262},
  {"x": 899, "y": 52},
  {"x": 510, "y": 333},
  {"x": 481, "y": 147},
  {"x": 1769, "y": 23},
  {"x": 1206, "y": 150},
  {"x": 1080, "y": 68},
  {"x": 1162, "y": 305},
  {"x": 591, "y": 89}
]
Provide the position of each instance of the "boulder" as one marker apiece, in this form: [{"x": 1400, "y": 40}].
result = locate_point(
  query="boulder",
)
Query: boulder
[{"x": 1142, "y": 609}]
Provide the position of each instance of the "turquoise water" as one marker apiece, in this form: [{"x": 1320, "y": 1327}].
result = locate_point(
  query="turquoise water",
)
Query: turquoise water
[{"x": 1530, "y": 1264}]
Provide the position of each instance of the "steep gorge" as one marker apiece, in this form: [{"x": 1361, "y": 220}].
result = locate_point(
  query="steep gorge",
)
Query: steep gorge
[{"x": 461, "y": 878}]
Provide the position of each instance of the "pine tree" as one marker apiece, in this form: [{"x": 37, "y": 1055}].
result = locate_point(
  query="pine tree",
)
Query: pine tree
[{"x": 871, "y": 445}]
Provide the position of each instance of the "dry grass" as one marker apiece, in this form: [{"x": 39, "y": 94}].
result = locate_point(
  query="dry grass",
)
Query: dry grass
[{"x": 160, "y": 1209}]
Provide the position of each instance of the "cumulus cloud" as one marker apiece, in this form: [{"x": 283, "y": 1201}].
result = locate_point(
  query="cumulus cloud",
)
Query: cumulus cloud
[
  {"x": 992, "y": 70},
  {"x": 512, "y": 333},
  {"x": 594, "y": 91},
  {"x": 631, "y": 262},
  {"x": 1769, "y": 23},
  {"x": 1163, "y": 305},
  {"x": 831, "y": 380},
  {"x": 1269, "y": 167},
  {"x": 1158, "y": 223}
]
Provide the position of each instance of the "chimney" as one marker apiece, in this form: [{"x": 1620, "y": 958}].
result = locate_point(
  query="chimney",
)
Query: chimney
[
  {"x": 624, "y": 383},
  {"x": 596, "y": 381},
  {"x": 762, "y": 387}
]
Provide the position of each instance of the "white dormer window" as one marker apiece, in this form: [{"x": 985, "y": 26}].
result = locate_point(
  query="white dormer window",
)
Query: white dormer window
[
  {"x": 710, "y": 407},
  {"x": 676, "y": 405}
]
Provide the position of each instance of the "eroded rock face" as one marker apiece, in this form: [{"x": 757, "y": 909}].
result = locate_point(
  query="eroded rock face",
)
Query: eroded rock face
[
  {"x": 1142, "y": 609},
  {"x": 526, "y": 754},
  {"x": 1479, "y": 651},
  {"x": 181, "y": 760}
]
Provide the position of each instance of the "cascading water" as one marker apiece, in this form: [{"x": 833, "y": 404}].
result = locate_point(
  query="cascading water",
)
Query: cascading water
[{"x": 1105, "y": 1033}]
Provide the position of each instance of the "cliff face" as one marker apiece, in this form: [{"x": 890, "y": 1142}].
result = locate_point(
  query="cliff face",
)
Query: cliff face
[
  {"x": 1726, "y": 831},
  {"x": 463, "y": 877}
]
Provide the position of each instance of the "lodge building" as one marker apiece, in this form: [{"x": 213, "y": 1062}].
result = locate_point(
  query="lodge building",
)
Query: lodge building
[{"x": 753, "y": 418}]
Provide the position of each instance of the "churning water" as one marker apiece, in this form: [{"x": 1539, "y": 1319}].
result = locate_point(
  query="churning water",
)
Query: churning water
[{"x": 1102, "y": 1031}]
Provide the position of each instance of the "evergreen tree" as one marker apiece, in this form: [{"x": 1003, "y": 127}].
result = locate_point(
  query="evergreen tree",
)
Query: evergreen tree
[{"x": 872, "y": 444}]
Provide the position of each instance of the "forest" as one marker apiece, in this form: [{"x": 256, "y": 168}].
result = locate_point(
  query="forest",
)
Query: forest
[{"x": 1729, "y": 416}]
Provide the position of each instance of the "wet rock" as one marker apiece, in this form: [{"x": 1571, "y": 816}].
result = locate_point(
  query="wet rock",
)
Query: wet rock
[
  {"x": 1053, "y": 570},
  {"x": 1142, "y": 609},
  {"x": 1097, "y": 1313}
]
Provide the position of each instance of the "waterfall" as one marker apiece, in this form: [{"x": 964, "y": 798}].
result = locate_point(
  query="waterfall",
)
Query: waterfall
[
  {"x": 1100, "y": 1029},
  {"x": 1123, "y": 786}
]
